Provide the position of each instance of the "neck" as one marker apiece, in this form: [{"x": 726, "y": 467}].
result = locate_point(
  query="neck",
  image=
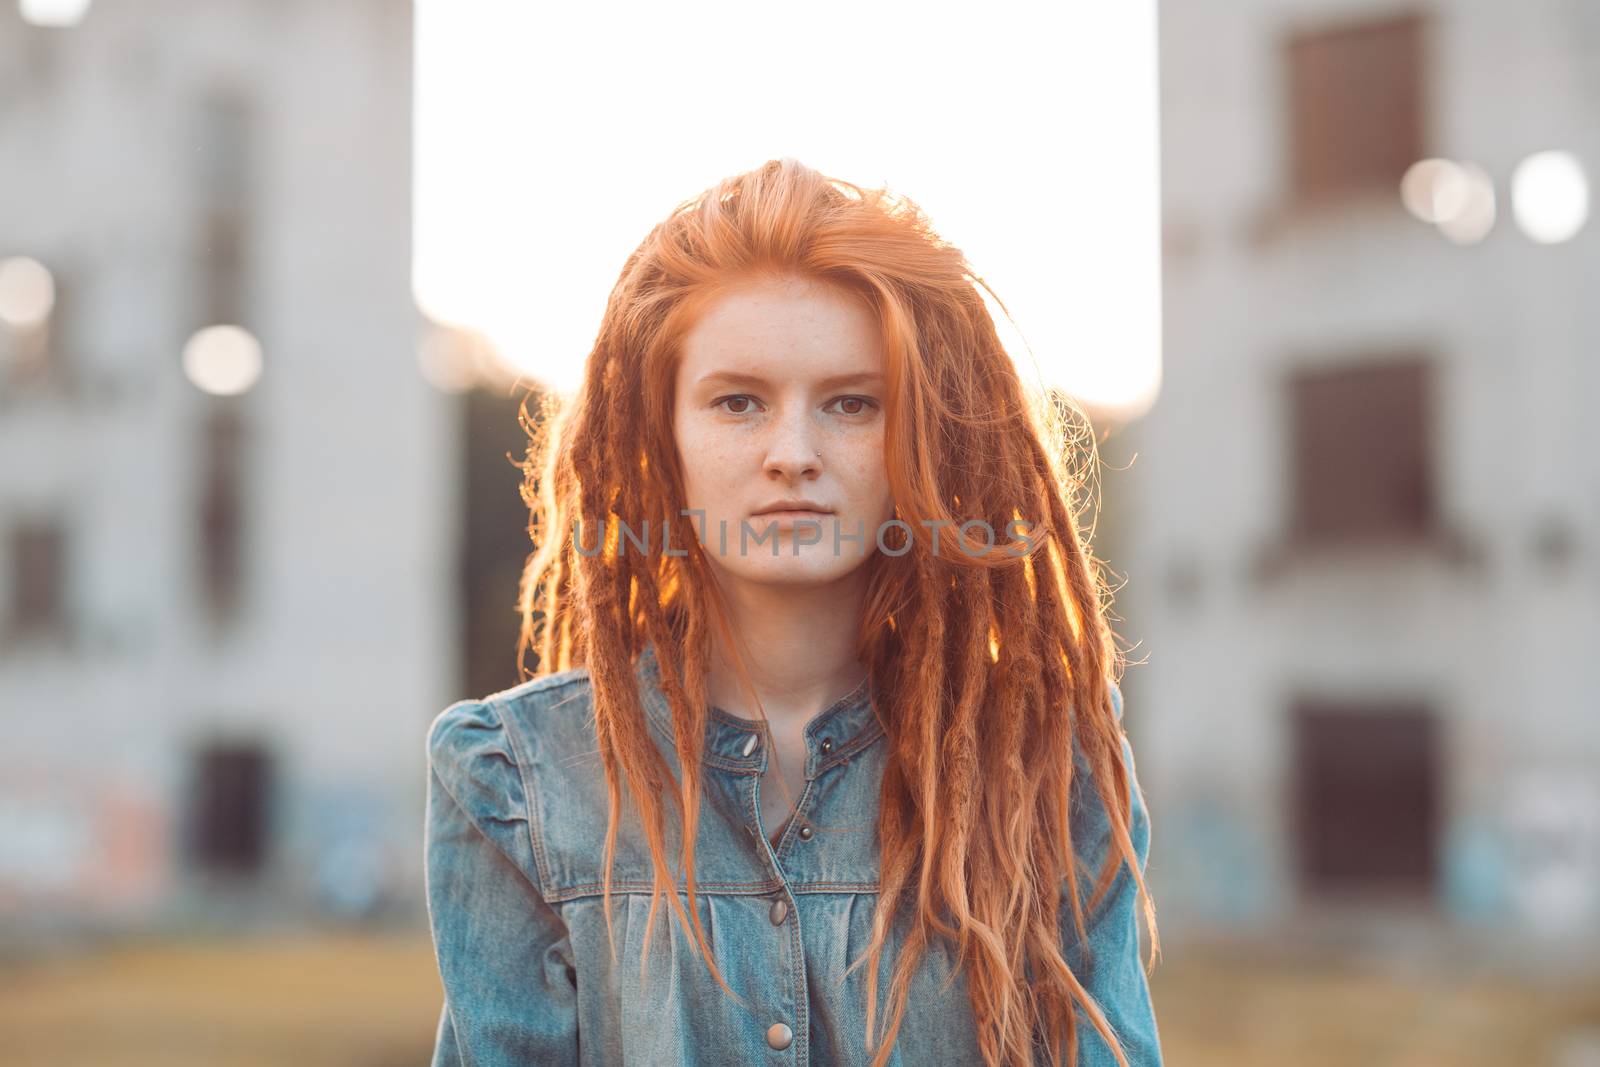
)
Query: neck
[{"x": 799, "y": 647}]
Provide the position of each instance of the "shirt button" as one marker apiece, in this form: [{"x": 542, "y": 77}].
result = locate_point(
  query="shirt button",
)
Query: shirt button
[
  {"x": 827, "y": 745},
  {"x": 779, "y": 1035},
  {"x": 750, "y": 743},
  {"x": 805, "y": 833},
  {"x": 780, "y": 912}
]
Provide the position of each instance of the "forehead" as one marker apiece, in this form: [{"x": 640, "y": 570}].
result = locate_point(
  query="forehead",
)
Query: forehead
[{"x": 783, "y": 330}]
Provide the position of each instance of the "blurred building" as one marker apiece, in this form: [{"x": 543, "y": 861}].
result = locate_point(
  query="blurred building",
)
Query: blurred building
[
  {"x": 1364, "y": 519},
  {"x": 227, "y": 496}
]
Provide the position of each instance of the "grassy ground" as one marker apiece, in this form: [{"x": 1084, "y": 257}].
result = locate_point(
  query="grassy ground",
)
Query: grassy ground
[
  {"x": 1217, "y": 1010},
  {"x": 374, "y": 1002},
  {"x": 308, "y": 1002}
]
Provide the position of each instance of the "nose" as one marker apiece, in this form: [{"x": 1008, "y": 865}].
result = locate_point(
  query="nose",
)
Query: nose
[{"x": 792, "y": 451}]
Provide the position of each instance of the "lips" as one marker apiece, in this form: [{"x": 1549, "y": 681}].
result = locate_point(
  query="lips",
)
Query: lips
[
  {"x": 792, "y": 518},
  {"x": 795, "y": 507}
]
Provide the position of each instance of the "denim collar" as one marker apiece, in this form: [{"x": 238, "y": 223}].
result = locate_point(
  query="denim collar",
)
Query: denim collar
[{"x": 734, "y": 743}]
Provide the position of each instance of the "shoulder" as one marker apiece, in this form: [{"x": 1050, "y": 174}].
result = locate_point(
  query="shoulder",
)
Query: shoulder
[
  {"x": 1079, "y": 760},
  {"x": 1091, "y": 820},
  {"x": 462, "y": 730},
  {"x": 525, "y": 765},
  {"x": 481, "y": 749},
  {"x": 491, "y": 757}
]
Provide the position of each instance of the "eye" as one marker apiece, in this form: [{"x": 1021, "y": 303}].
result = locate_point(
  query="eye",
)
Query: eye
[
  {"x": 863, "y": 404},
  {"x": 742, "y": 398}
]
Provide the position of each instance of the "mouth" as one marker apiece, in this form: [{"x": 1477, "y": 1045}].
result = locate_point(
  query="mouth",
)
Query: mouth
[
  {"x": 793, "y": 508},
  {"x": 791, "y": 517}
]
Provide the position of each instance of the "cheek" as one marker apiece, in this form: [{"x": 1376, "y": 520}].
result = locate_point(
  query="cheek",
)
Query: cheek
[
  {"x": 707, "y": 463},
  {"x": 874, "y": 465},
  {"x": 871, "y": 481},
  {"x": 688, "y": 460}
]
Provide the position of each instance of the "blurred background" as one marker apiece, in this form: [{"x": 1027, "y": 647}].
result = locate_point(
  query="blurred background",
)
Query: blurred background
[{"x": 276, "y": 276}]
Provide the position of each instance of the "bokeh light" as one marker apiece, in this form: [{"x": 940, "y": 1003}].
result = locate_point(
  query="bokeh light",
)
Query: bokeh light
[
  {"x": 53, "y": 12},
  {"x": 1435, "y": 189},
  {"x": 1456, "y": 196},
  {"x": 1474, "y": 216},
  {"x": 222, "y": 360},
  {"x": 27, "y": 292},
  {"x": 1550, "y": 196}
]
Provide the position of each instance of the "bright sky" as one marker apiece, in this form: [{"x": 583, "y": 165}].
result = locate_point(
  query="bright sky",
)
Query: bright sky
[{"x": 549, "y": 140}]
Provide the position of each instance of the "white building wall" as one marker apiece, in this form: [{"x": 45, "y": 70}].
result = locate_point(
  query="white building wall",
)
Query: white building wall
[
  {"x": 345, "y": 643},
  {"x": 1502, "y": 647}
]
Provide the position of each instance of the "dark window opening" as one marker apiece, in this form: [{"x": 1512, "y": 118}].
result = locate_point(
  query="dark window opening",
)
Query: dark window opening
[
  {"x": 230, "y": 808},
  {"x": 1356, "y": 107},
  {"x": 38, "y": 580},
  {"x": 225, "y": 158},
  {"x": 1361, "y": 453},
  {"x": 222, "y": 511},
  {"x": 1367, "y": 782},
  {"x": 34, "y": 356},
  {"x": 223, "y": 235}
]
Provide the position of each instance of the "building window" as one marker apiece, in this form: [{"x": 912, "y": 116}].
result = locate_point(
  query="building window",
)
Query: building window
[
  {"x": 222, "y": 487},
  {"x": 34, "y": 304},
  {"x": 1361, "y": 452},
  {"x": 224, "y": 154},
  {"x": 1356, "y": 107},
  {"x": 1367, "y": 797},
  {"x": 229, "y": 807},
  {"x": 38, "y": 577}
]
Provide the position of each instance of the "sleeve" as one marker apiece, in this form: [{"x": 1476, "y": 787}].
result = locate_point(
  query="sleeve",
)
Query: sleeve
[
  {"x": 505, "y": 960},
  {"x": 1109, "y": 962}
]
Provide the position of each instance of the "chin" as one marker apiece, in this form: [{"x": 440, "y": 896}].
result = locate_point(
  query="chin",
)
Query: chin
[{"x": 816, "y": 565}]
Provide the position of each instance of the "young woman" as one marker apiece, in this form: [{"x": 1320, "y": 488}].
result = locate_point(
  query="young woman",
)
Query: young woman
[{"x": 825, "y": 666}]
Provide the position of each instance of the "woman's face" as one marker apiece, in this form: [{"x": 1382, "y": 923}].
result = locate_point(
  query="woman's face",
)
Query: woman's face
[{"x": 779, "y": 396}]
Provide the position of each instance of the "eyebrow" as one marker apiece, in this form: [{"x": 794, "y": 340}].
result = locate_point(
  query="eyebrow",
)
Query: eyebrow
[{"x": 838, "y": 381}]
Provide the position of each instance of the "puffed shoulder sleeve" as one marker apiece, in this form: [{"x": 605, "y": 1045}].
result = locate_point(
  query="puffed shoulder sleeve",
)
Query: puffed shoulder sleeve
[
  {"x": 505, "y": 960},
  {"x": 1108, "y": 963}
]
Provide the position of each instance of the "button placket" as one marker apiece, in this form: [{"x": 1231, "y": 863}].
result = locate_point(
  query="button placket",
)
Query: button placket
[{"x": 780, "y": 1035}]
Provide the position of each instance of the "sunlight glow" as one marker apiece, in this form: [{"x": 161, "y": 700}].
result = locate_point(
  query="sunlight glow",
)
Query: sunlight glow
[{"x": 550, "y": 140}]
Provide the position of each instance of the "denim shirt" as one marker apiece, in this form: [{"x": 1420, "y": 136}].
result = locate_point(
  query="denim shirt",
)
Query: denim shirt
[{"x": 515, "y": 842}]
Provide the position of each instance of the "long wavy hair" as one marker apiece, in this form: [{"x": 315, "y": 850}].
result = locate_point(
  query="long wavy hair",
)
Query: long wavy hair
[{"x": 987, "y": 664}]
